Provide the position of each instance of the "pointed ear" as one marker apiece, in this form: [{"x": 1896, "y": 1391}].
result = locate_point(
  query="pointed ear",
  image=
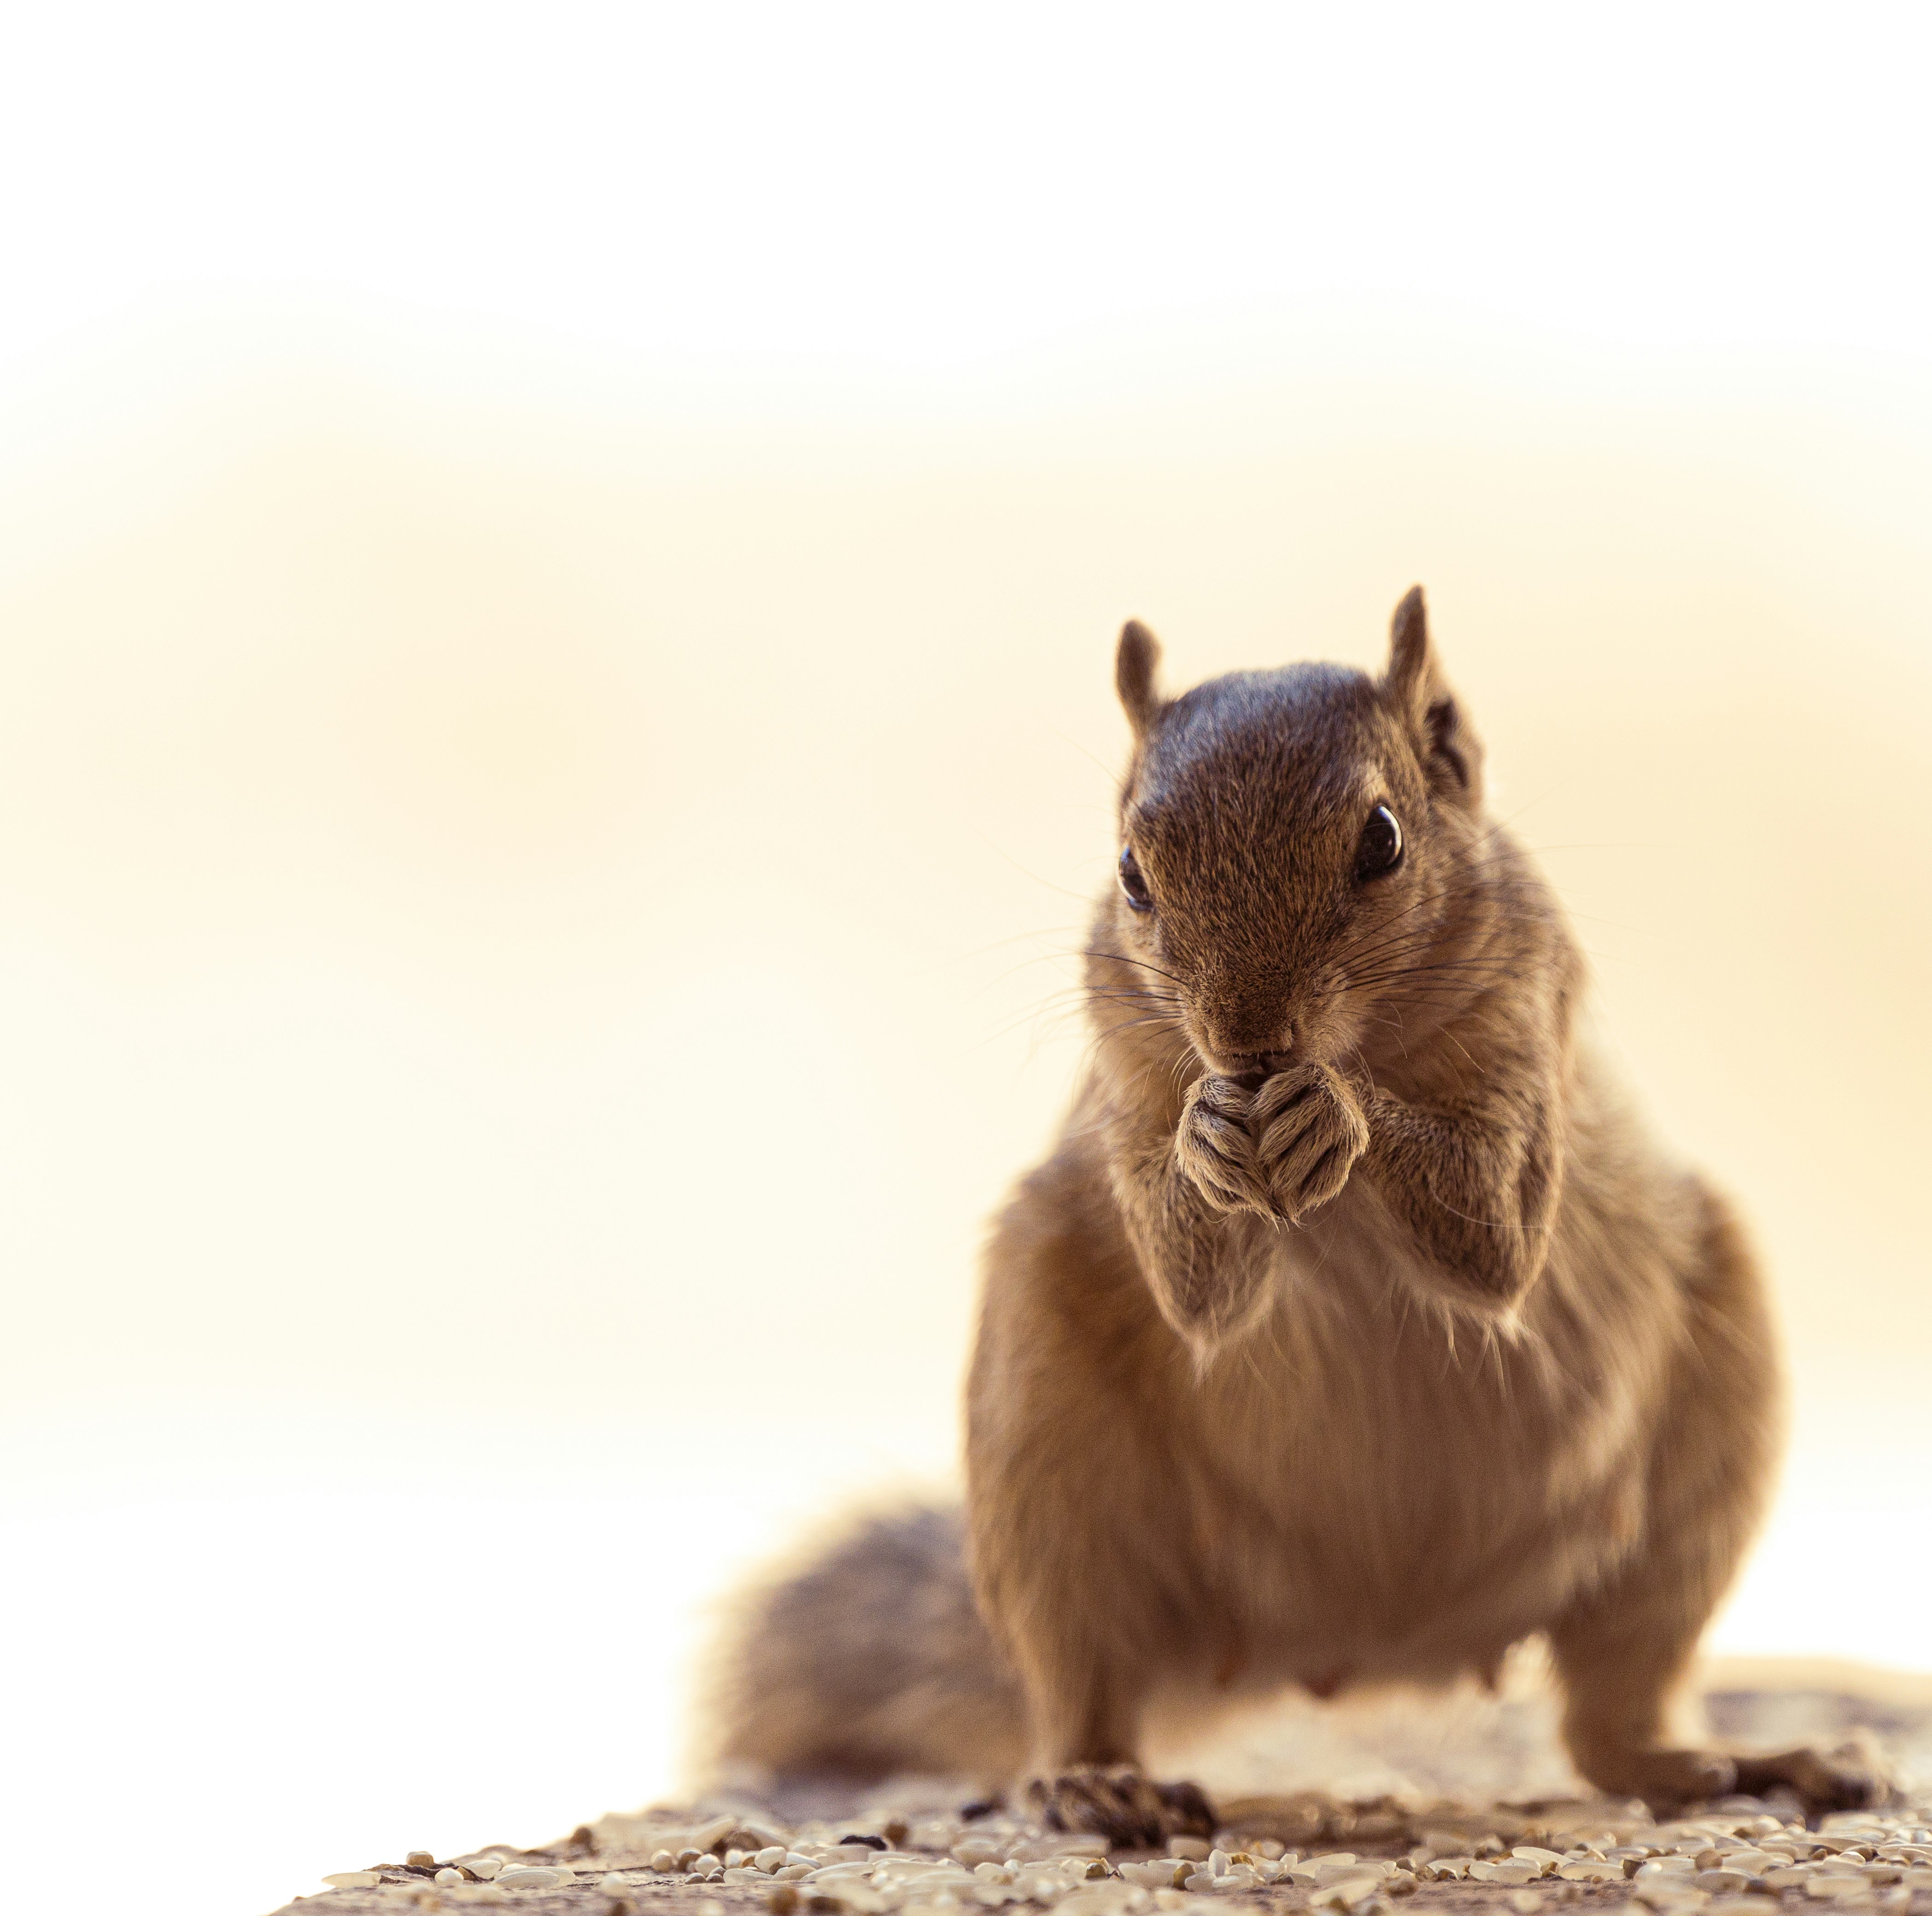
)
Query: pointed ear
[
  {"x": 1451, "y": 753},
  {"x": 1135, "y": 665}
]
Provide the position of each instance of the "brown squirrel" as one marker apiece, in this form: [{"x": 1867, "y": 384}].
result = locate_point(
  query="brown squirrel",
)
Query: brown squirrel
[{"x": 1356, "y": 1329}]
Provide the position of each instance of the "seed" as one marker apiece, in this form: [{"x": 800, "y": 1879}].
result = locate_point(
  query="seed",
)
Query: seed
[
  {"x": 1508, "y": 1872},
  {"x": 1528, "y": 1853}
]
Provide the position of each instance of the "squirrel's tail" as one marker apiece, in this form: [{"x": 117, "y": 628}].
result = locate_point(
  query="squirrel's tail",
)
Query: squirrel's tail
[{"x": 872, "y": 1660}]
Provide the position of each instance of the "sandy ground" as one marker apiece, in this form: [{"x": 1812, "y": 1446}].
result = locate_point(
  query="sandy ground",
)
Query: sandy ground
[{"x": 1355, "y": 1809}]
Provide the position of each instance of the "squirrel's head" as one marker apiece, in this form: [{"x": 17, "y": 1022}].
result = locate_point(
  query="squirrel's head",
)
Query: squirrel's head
[{"x": 1291, "y": 843}]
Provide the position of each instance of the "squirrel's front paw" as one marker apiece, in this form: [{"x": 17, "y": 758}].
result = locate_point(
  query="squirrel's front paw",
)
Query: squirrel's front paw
[
  {"x": 1309, "y": 1129},
  {"x": 1216, "y": 1150}
]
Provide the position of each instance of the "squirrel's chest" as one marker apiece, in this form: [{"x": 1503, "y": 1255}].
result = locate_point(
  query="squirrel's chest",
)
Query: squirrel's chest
[
  {"x": 1363, "y": 1501},
  {"x": 1348, "y": 1447}
]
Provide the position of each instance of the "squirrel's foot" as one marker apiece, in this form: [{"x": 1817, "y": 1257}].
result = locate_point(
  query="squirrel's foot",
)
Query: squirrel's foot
[
  {"x": 1821, "y": 1782},
  {"x": 1668, "y": 1779},
  {"x": 1118, "y": 1803}
]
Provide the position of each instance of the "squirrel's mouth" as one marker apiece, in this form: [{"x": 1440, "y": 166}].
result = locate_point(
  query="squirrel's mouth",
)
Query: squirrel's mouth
[{"x": 1249, "y": 1069}]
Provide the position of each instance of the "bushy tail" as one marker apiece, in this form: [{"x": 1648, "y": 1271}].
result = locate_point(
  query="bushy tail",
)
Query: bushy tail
[{"x": 871, "y": 1660}]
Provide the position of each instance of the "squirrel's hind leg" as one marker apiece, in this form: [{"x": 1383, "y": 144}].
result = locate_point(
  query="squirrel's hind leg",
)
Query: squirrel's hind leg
[
  {"x": 1084, "y": 1777},
  {"x": 1624, "y": 1650},
  {"x": 1620, "y": 1687},
  {"x": 1132, "y": 1811}
]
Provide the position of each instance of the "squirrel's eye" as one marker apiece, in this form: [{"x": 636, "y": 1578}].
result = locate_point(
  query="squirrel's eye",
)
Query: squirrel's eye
[
  {"x": 1133, "y": 884},
  {"x": 1380, "y": 851}
]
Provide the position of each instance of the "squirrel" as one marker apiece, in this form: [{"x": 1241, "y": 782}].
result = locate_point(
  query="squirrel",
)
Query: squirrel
[{"x": 1356, "y": 1329}]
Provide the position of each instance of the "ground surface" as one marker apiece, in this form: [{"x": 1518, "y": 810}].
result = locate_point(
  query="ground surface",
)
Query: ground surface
[{"x": 1423, "y": 1808}]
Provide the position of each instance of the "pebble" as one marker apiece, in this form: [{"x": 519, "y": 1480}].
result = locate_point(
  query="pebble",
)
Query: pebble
[
  {"x": 421, "y": 1859},
  {"x": 352, "y": 1879},
  {"x": 532, "y": 1876},
  {"x": 447, "y": 1876},
  {"x": 485, "y": 1867}
]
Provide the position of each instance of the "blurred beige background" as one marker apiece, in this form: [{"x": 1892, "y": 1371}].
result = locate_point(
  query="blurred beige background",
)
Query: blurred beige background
[{"x": 557, "y": 582}]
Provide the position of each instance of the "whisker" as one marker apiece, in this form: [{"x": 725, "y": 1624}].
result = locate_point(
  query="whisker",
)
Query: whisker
[{"x": 1121, "y": 957}]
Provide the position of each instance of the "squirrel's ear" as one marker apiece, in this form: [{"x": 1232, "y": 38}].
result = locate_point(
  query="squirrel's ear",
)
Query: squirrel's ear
[
  {"x": 1451, "y": 753},
  {"x": 1134, "y": 667}
]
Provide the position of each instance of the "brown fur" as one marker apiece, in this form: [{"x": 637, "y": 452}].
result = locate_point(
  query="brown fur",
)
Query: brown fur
[{"x": 1355, "y": 1329}]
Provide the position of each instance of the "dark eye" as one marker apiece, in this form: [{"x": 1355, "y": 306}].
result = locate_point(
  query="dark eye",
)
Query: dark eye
[
  {"x": 1380, "y": 851},
  {"x": 1133, "y": 884}
]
